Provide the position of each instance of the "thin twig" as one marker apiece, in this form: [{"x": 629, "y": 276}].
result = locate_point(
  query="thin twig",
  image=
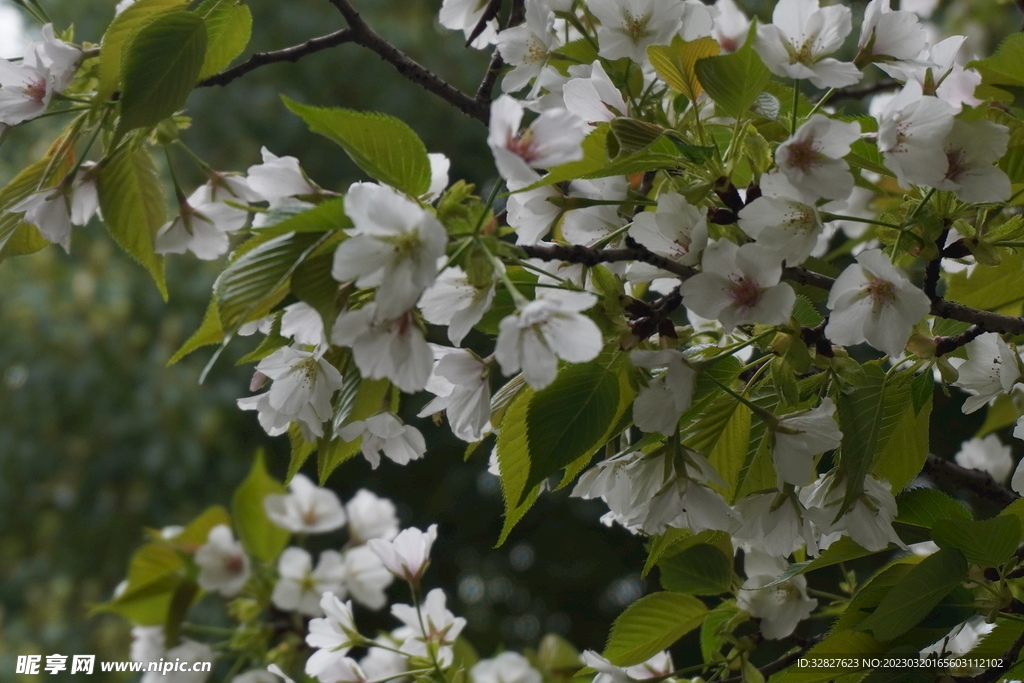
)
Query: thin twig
[
  {"x": 288, "y": 54},
  {"x": 411, "y": 70},
  {"x": 486, "y": 88},
  {"x": 1009, "y": 659},
  {"x": 976, "y": 481},
  {"x": 859, "y": 91}
]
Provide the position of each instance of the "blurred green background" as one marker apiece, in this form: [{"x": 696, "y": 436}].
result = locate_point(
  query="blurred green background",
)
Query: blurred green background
[{"x": 99, "y": 439}]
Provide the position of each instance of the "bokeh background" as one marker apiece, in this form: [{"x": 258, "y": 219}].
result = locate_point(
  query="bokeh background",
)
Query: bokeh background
[{"x": 99, "y": 439}]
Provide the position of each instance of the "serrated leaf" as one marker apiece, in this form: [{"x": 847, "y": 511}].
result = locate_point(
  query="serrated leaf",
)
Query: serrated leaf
[
  {"x": 228, "y": 28},
  {"x": 632, "y": 135},
  {"x": 730, "y": 450},
  {"x": 197, "y": 531},
  {"x": 906, "y": 449},
  {"x": 210, "y": 332},
  {"x": 154, "y": 573},
  {"x": 714, "y": 629},
  {"x": 700, "y": 570},
  {"x": 42, "y": 174},
  {"x": 869, "y": 595},
  {"x": 990, "y": 288},
  {"x": 133, "y": 206},
  {"x": 987, "y": 542},
  {"x": 847, "y": 644},
  {"x": 805, "y": 312},
  {"x": 734, "y": 81},
  {"x": 566, "y": 420},
  {"x": 675, "y": 63},
  {"x": 514, "y": 459},
  {"x": 913, "y": 597},
  {"x": 313, "y": 284},
  {"x": 300, "y": 451},
  {"x": 1002, "y": 74},
  {"x": 384, "y": 147},
  {"x": 652, "y": 624},
  {"x": 160, "y": 68},
  {"x": 924, "y": 507},
  {"x": 262, "y": 538},
  {"x": 253, "y": 284},
  {"x": 119, "y": 35}
]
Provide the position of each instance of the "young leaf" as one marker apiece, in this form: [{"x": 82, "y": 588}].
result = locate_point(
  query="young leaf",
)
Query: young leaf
[
  {"x": 133, "y": 206},
  {"x": 119, "y": 35},
  {"x": 262, "y": 538},
  {"x": 904, "y": 453},
  {"x": 228, "y": 27},
  {"x": 210, "y": 332},
  {"x": 384, "y": 147},
  {"x": 154, "y": 573},
  {"x": 734, "y": 81},
  {"x": 651, "y": 624},
  {"x": 514, "y": 458},
  {"x": 161, "y": 66},
  {"x": 1002, "y": 74},
  {"x": 912, "y": 598},
  {"x": 675, "y": 63},
  {"x": 700, "y": 570}
]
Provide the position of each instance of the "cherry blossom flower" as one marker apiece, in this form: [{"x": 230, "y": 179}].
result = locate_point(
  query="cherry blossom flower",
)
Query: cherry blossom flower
[
  {"x": 435, "y": 632},
  {"x": 1017, "y": 481},
  {"x": 529, "y": 211},
  {"x": 308, "y": 509},
  {"x": 739, "y": 285},
  {"x": 55, "y": 210},
  {"x": 675, "y": 229},
  {"x": 223, "y": 565},
  {"x": 460, "y": 381},
  {"x": 661, "y": 403},
  {"x": 300, "y": 587},
  {"x": 782, "y": 222},
  {"x": 545, "y": 329},
  {"x": 394, "y": 246},
  {"x": 731, "y": 26},
  {"x": 439, "y": 166},
  {"x": 657, "y": 666},
  {"x": 385, "y": 433},
  {"x": 812, "y": 159},
  {"x": 887, "y": 35},
  {"x": 972, "y": 148},
  {"x": 343, "y": 670},
  {"x": 370, "y": 516},
  {"x": 588, "y": 225},
  {"x": 868, "y": 521},
  {"x": 794, "y": 45},
  {"x": 592, "y": 97},
  {"x": 278, "y": 178},
  {"x": 202, "y": 226},
  {"x": 606, "y": 671},
  {"x": 801, "y": 437},
  {"x": 527, "y": 46},
  {"x": 380, "y": 663},
  {"x": 871, "y": 301},
  {"x": 554, "y": 138},
  {"x": 407, "y": 555},
  {"x": 508, "y": 667},
  {"x": 303, "y": 324},
  {"x": 464, "y": 15},
  {"x": 629, "y": 27},
  {"x": 382, "y": 347},
  {"x": 952, "y": 84},
  {"x": 911, "y": 131},
  {"x": 302, "y": 389},
  {"x": 991, "y": 369},
  {"x": 780, "y": 607},
  {"x": 148, "y": 643},
  {"x": 453, "y": 301},
  {"x": 988, "y": 454},
  {"x": 366, "y": 577},
  {"x": 25, "y": 91},
  {"x": 775, "y": 525},
  {"x": 333, "y": 635}
]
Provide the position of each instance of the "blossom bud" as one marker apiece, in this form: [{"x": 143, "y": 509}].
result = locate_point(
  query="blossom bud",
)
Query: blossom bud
[{"x": 922, "y": 346}]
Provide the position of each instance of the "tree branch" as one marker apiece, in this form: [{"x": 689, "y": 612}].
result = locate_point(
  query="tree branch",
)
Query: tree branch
[
  {"x": 976, "y": 481},
  {"x": 858, "y": 91},
  {"x": 1009, "y": 659},
  {"x": 411, "y": 70},
  {"x": 589, "y": 256},
  {"x": 288, "y": 54}
]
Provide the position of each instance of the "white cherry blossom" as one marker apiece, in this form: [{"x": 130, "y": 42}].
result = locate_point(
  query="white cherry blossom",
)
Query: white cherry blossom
[
  {"x": 554, "y": 138},
  {"x": 54, "y": 211},
  {"x": 661, "y": 403},
  {"x": 25, "y": 91},
  {"x": 460, "y": 381},
  {"x": 782, "y": 222},
  {"x": 59, "y": 59},
  {"x": 223, "y": 564},
  {"x": 780, "y": 607},
  {"x": 871, "y": 301},
  {"x": 380, "y": 663},
  {"x": 911, "y": 131},
  {"x": 435, "y": 632},
  {"x": 988, "y": 454},
  {"x": 800, "y": 36},
  {"x": 332, "y": 636},
  {"x": 629, "y": 27},
  {"x": 593, "y": 97},
  {"x": 366, "y": 577},
  {"x": 385, "y": 433},
  {"x": 453, "y": 301},
  {"x": 303, "y": 324},
  {"x": 739, "y": 285},
  {"x": 300, "y": 586},
  {"x": 775, "y": 525},
  {"x": 464, "y": 15},
  {"x": 812, "y": 159},
  {"x": 527, "y": 46},
  {"x": 278, "y": 178},
  {"x": 382, "y": 347},
  {"x": 201, "y": 227},
  {"x": 393, "y": 246},
  {"x": 508, "y": 667},
  {"x": 529, "y": 211},
  {"x": 886, "y": 34},
  {"x": 991, "y": 369},
  {"x": 370, "y": 516},
  {"x": 545, "y": 329},
  {"x": 972, "y": 149},
  {"x": 606, "y": 671},
  {"x": 731, "y": 26},
  {"x": 675, "y": 229},
  {"x": 148, "y": 643},
  {"x": 407, "y": 555},
  {"x": 657, "y": 666},
  {"x": 801, "y": 437},
  {"x": 307, "y": 509},
  {"x": 868, "y": 521}
]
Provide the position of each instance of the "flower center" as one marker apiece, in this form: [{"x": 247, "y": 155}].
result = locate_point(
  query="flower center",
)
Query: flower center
[
  {"x": 36, "y": 90},
  {"x": 745, "y": 292},
  {"x": 882, "y": 292},
  {"x": 522, "y": 146},
  {"x": 536, "y": 51},
  {"x": 635, "y": 27},
  {"x": 955, "y": 162},
  {"x": 801, "y": 155},
  {"x": 234, "y": 564}
]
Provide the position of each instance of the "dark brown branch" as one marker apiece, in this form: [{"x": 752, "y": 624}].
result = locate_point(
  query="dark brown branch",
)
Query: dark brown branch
[
  {"x": 486, "y": 88},
  {"x": 978, "y": 482},
  {"x": 591, "y": 257},
  {"x": 858, "y": 91},
  {"x": 933, "y": 269},
  {"x": 944, "y": 345},
  {"x": 288, "y": 54},
  {"x": 408, "y": 67}
]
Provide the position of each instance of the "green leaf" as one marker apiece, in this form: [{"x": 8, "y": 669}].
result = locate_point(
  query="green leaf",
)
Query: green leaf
[
  {"x": 313, "y": 284},
  {"x": 990, "y": 288},
  {"x": 1002, "y": 74},
  {"x": 700, "y": 570},
  {"x": 198, "y": 530},
  {"x": 904, "y": 453},
  {"x": 119, "y": 35},
  {"x": 717, "y": 628},
  {"x": 365, "y": 402},
  {"x": 924, "y": 507},
  {"x": 987, "y": 542},
  {"x": 913, "y": 597},
  {"x": 1003, "y": 412},
  {"x": 843, "y": 550},
  {"x": 161, "y": 66},
  {"x": 262, "y": 538},
  {"x": 134, "y": 208},
  {"x": 184, "y": 596},
  {"x": 228, "y": 29},
  {"x": 730, "y": 451},
  {"x": 42, "y": 174},
  {"x": 383, "y": 146},
  {"x": 210, "y": 332},
  {"x": 514, "y": 459},
  {"x": 675, "y": 63},
  {"x": 869, "y": 595},
  {"x": 868, "y": 416},
  {"x": 567, "y": 419},
  {"x": 301, "y": 450},
  {"x": 734, "y": 81},
  {"x": 154, "y": 574},
  {"x": 253, "y": 284},
  {"x": 651, "y": 624},
  {"x": 846, "y": 644}
]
